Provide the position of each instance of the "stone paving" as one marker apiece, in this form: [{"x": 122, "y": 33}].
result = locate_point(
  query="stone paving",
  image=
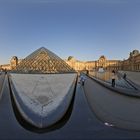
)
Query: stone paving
[
  {"x": 112, "y": 108},
  {"x": 45, "y": 95}
]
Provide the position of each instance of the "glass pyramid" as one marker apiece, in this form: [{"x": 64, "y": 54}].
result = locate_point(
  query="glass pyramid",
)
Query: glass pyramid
[{"x": 43, "y": 61}]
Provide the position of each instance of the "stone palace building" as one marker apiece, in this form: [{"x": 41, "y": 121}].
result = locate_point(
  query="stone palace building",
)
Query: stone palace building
[{"x": 130, "y": 64}]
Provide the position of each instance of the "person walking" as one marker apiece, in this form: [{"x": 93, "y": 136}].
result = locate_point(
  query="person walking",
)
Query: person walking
[
  {"x": 113, "y": 78},
  {"x": 124, "y": 76},
  {"x": 82, "y": 80}
]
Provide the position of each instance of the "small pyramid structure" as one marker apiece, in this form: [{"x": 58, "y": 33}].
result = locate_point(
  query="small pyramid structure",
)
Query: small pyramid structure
[{"x": 43, "y": 61}]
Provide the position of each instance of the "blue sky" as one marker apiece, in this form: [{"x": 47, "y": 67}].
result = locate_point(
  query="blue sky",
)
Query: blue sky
[{"x": 85, "y": 29}]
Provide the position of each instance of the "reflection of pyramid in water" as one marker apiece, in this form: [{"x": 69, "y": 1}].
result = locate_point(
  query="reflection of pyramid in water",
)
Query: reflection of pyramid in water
[{"x": 43, "y": 61}]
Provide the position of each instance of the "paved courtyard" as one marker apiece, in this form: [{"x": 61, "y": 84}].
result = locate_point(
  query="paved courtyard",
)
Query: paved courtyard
[
  {"x": 93, "y": 111},
  {"x": 116, "y": 109}
]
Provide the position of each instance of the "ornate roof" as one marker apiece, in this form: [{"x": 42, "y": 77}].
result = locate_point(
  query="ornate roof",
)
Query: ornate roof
[
  {"x": 43, "y": 61},
  {"x": 102, "y": 58},
  {"x": 71, "y": 58},
  {"x": 134, "y": 53}
]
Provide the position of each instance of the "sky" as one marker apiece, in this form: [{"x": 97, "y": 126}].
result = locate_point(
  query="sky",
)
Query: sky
[{"x": 85, "y": 29}]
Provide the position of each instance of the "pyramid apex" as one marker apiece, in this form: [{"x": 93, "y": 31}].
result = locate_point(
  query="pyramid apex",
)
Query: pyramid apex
[{"x": 42, "y": 48}]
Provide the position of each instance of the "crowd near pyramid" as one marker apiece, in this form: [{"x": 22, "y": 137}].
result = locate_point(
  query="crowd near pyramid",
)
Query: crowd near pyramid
[{"x": 43, "y": 61}]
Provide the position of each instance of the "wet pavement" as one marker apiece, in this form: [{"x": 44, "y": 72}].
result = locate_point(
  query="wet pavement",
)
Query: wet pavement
[{"x": 82, "y": 123}]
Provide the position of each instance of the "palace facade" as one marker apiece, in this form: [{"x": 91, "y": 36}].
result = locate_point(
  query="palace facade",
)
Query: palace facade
[
  {"x": 130, "y": 64},
  {"x": 102, "y": 62},
  {"x": 133, "y": 62}
]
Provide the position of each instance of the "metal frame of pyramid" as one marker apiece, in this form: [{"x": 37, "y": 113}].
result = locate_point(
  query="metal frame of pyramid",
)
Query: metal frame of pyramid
[{"x": 43, "y": 61}]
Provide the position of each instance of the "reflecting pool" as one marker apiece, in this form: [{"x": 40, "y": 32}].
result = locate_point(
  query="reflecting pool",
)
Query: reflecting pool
[{"x": 106, "y": 76}]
